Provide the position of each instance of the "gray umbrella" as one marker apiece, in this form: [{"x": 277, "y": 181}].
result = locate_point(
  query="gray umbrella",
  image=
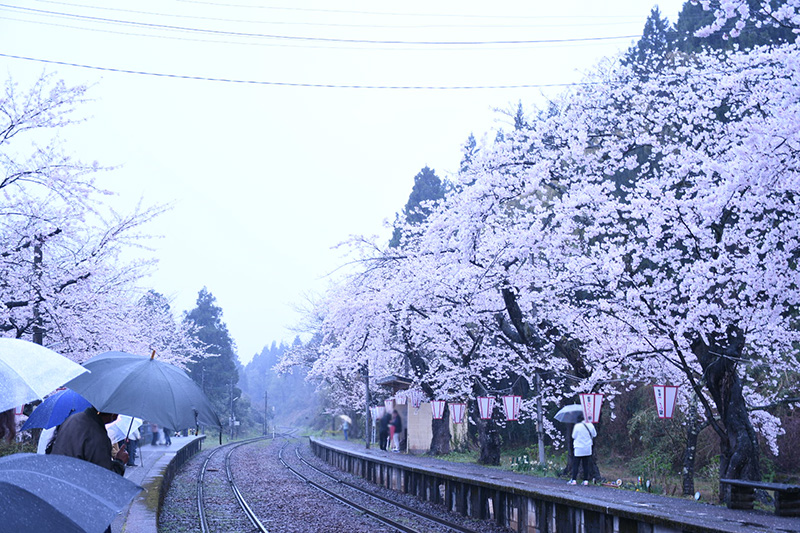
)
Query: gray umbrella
[
  {"x": 570, "y": 414},
  {"x": 59, "y": 493},
  {"x": 144, "y": 387}
]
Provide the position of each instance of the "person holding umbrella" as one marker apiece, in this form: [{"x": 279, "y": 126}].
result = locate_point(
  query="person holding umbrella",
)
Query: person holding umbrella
[
  {"x": 83, "y": 436},
  {"x": 583, "y": 435}
]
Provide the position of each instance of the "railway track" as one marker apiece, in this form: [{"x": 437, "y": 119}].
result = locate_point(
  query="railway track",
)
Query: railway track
[
  {"x": 385, "y": 510},
  {"x": 216, "y": 474}
]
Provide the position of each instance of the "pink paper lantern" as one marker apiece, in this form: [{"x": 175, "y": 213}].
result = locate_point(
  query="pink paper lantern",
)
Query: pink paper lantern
[
  {"x": 591, "y": 403},
  {"x": 437, "y": 408},
  {"x": 485, "y": 407},
  {"x": 400, "y": 399},
  {"x": 388, "y": 404},
  {"x": 511, "y": 405},
  {"x": 665, "y": 399},
  {"x": 457, "y": 411}
]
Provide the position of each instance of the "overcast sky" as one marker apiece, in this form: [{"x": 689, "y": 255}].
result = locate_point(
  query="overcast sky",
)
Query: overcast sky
[{"x": 277, "y": 129}]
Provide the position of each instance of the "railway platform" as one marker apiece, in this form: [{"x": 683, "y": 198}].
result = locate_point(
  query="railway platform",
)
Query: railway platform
[
  {"x": 526, "y": 503},
  {"x": 156, "y": 467}
]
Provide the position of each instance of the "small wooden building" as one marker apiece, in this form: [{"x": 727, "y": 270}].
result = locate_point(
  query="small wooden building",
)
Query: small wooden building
[{"x": 416, "y": 422}]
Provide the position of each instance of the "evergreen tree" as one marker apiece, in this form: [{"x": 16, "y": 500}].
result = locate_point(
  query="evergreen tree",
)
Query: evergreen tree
[
  {"x": 427, "y": 187},
  {"x": 216, "y": 373},
  {"x": 649, "y": 55}
]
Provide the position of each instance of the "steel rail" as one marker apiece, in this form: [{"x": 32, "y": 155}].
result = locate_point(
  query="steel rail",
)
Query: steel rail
[
  {"x": 204, "y": 528},
  {"x": 423, "y": 514}
]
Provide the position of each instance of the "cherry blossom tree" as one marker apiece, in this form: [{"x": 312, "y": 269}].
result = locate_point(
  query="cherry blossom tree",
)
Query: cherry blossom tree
[{"x": 64, "y": 282}]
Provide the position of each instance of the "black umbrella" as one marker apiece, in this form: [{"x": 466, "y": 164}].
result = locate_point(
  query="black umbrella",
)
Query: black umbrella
[
  {"x": 146, "y": 388},
  {"x": 570, "y": 414},
  {"x": 59, "y": 493}
]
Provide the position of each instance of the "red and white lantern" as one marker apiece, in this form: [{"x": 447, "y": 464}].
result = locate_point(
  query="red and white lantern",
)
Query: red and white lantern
[
  {"x": 400, "y": 398},
  {"x": 388, "y": 404},
  {"x": 485, "y": 407},
  {"x": 457, "y": 411},
  {"x": 415, "y": 397},
  {"x": 437, "y": 408},
  {"x": 511, "y": 405},
  {"x": 665, "y": 399},
  {"x": 380, "y": 411},
  {"x": 591, "y": 403}
]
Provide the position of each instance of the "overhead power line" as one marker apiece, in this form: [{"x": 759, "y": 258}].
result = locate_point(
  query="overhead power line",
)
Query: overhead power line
[
  {"x": 628, "y": 20},
  {"x": 296, "y": 84},
  {"x": 307, "y": 38}
]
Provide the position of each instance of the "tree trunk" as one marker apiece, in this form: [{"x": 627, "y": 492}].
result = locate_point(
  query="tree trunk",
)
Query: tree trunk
[
  {"x": 440, "y": 442},
  {"x": 739, "y": 453},
  {"x": 489, "y": 439},
  {"x": 692, "y": 431}
]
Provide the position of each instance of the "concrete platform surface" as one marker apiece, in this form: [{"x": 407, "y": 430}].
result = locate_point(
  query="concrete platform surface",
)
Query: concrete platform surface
[{"x": 140, "y": 516}]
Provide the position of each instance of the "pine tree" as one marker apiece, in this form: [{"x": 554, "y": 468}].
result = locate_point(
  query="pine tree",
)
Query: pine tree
[
  {"x": 427, "y": 187},
  {"x": 650, "y": 54},
  {"x": 216, "y": 373}
]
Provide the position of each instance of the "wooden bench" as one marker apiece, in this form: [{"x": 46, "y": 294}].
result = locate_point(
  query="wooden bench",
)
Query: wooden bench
[{"x": 787, "y": 497}]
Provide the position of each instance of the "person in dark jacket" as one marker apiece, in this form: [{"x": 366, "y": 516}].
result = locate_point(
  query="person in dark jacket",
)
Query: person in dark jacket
[
  {"x": 383, "y": 430},
  {"x": 83, "y": 436},
  {"x": 395, "y": 428}
]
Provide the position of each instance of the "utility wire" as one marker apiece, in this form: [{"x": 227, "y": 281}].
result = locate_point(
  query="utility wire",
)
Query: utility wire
[
  {"x": 633, "y": 20},
  {"x": 295, "y": 84},
  {"x": 284, "y": 44},
  {"x": 306, "y": 38},
  {"x": 385, "y": 13}
]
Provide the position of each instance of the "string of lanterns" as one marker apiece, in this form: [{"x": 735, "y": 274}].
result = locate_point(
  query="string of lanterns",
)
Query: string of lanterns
[{"x": 665, "y": 396}]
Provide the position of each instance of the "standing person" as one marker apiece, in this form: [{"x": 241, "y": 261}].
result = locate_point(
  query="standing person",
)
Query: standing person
[
  {"x": 345, "y": 428},
  {"x": 167, "y": 439},
  {"x": 583, "y": 435},
  {"x": 383, "y": 430},
  {"x": 83, "y": 436},
  {"x": 396, "y": 428},
  {"x": 154, "y": 430},
  {"x": 133, "y": 444}
]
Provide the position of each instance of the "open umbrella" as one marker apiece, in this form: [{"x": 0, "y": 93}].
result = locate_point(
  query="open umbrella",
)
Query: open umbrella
[
  {"x": 55, "y": 409},
  {"x": 144, "y": 387},
  {"x": 346, "y": 419},
  {"x": 30, "y": 372},
  {"x": 59, "y": 493},
  {"x": 121, "y": 428},
  {"x": 570, "y": 414}
]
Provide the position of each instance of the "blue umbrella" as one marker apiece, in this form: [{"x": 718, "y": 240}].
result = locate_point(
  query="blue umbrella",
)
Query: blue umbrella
[{"x": 55, "y": 409}]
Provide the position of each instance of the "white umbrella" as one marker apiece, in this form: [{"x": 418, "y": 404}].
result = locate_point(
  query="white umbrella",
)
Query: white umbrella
[
  {"x": 346, "y": 419},
  {"x": 30, "y": 372},
  {"x": 127, "y": 424}
]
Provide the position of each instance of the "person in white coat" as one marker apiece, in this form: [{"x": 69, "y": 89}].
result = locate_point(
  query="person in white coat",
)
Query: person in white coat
[{"x": 583, "y": 435}]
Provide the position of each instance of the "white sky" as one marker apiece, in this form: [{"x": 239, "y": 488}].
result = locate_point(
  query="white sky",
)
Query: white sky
[{"x": 265, "y": 178}]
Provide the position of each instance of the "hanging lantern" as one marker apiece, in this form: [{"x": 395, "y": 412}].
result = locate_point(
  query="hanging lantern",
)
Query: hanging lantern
[
  {"x": 415, "y": 396},
  {"x": 665, "y": 399},
  {"x": 485, "y": 407},
  {"x": 400, "y": 397},
  {"x": 437, "y": 408},
  {"x": 591, "y": 404},
  {"x": 388, "y": 404},
  {"x": 511, "y": 405},
  {"x": 457, "y": 411},
  {"x": 380, "y": 411}
]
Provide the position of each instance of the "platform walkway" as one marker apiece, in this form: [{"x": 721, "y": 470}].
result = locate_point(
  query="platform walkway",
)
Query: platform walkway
[
  {"x": 153, "y": 462},
  {"x": 423, "y": 475}
]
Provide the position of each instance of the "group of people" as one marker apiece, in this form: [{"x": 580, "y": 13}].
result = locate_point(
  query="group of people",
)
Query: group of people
[{"x": 390, "y": 427}]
